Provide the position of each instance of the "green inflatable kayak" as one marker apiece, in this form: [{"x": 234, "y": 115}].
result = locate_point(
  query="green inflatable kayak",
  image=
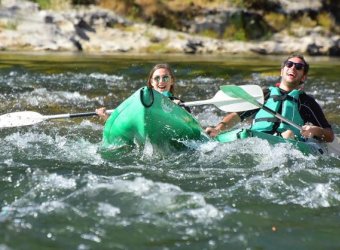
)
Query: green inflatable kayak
[
  {"x": 305, "y": 147},
  {"x": 148, "y": 116}
]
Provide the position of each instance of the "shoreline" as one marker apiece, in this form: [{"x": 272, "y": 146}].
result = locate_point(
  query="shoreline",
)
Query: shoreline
[
  {"x": 87, "y": 31},
  {"x": 153, "y": 56}
]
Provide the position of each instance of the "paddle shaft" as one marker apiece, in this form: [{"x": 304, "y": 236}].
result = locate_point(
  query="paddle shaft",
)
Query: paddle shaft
[
  {"x": 237, "y": 91},
  {"x": 223, "y": 102},
  {"x": 61, "y": 116},
  {"x": 196, "y": 103},
  {"x": 277, "y": 115}
]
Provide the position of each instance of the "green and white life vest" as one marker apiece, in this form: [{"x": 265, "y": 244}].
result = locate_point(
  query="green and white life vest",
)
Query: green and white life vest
[{"x": 284, "y": 104}]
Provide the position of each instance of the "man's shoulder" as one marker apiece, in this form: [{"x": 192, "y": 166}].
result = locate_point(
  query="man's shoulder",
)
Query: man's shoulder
[{"x": 306, "y": 97}]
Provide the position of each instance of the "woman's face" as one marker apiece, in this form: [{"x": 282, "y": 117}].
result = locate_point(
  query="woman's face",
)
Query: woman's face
[{"x": 161, "y": 80}]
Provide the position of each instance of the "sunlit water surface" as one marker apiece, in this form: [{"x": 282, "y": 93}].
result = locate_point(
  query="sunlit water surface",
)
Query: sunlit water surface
[{"x": 57, "y": 191}]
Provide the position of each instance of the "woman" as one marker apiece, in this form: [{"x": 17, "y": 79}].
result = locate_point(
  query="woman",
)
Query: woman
[{"x": 162, "y": 79}]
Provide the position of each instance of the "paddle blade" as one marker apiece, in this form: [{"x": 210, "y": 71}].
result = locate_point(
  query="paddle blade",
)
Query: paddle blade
[
  {"x": 246, "y": 97},
  {"x": 18, "y": 119},
  {"x": 230, "y": 104},
  {"x": 238, "y": 92}
]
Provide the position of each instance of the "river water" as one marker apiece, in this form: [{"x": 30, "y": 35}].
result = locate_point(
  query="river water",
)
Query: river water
[{"x": 58, "y": 192}]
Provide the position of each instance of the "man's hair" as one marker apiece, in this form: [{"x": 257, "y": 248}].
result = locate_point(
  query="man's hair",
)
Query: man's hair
[{"x": 306, "y": 65}]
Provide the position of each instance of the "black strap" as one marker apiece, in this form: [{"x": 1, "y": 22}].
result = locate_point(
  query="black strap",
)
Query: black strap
[
  {"x": 268, "y": 119},
  {"x": 283, "y": 97},
  {"x": 142, "y": 97},
  {"x": 181, "y": 103}
]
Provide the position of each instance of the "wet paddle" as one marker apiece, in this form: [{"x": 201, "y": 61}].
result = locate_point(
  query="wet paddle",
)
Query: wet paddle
[
  {"x": 238, "y": 92},
  {"x": 231, "y": 103},
  {"x": 221, "y": 100},
  {"x": 25, "y": 118}
]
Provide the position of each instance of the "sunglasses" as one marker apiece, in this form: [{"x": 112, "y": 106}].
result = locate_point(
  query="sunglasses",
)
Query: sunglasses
[
  {"x": 164, "y": 78},
  {"x": 298, "y": 66}
]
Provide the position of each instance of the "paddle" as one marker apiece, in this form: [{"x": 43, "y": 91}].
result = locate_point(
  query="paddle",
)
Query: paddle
[
  {"x": 238, "y": 92},
  {"x": 221, "y": 100},
  {"x": 25, "y": 118},
  {"x": 231, "y": 103}
]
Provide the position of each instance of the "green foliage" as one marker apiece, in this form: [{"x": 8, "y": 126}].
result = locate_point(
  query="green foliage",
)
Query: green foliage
[
  {"x": 325, "y": 20},
  {"x": 306, "y": 21},
  {"x": 134, "y": 13},
  {"x": 52, "y": 4},
  {"x": 44, "y": 4},
  {"x": 158, "y": 48},
  {"x": 209, "y": 33},
  {"x": 276, "y": 20},
  {"x": 257, "y": 5},
  {"x": 12, "y": 25},
  {"x": 237, "y": 3},
  {"x": 233, "y": 32}
]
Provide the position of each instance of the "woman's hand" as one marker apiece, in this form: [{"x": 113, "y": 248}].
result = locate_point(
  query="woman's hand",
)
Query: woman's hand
[
  {"x": 101, "y": 112},
  {"x": 178, "y": 102}
]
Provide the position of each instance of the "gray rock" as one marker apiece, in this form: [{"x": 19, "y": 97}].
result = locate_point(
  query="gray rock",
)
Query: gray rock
[{"x": 98, "y": 30}]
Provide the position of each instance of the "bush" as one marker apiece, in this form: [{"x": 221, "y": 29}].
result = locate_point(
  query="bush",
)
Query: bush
[
  {"x": 52, "y": 4},
  {"x": 325, "y": 20}
]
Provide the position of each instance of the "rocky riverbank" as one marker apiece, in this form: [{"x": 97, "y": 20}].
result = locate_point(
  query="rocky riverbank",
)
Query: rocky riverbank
[{"x": 24, "y": 27}]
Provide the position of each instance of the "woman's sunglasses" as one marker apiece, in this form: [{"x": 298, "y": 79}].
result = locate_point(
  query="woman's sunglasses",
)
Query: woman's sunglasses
[
  {"x": 298, "y": 66},
  {"x": 164, "y": 78}
]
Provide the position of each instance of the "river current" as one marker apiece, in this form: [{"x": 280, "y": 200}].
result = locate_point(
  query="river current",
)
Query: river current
[{"x": 57, "y": 191}]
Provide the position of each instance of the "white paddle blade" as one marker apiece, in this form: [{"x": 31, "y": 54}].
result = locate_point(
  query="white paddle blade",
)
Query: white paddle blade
[
  {"x": 18, "y": 119},
  {"x": 231, "y": 104},
  {"x": 236, "y": 104}
]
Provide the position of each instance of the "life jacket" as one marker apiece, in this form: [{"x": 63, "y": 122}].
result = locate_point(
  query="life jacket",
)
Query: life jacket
[{"x": 284, "y": 104}]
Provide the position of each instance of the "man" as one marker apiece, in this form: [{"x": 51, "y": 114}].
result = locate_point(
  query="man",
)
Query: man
[{"x": 288, "y": 99}]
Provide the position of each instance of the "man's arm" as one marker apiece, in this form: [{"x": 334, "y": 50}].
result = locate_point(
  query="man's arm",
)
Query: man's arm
[
  {"x": 229, "y": 121},
  {"x": 316, "y": 123},
  {"x": 322, "y": 134}
]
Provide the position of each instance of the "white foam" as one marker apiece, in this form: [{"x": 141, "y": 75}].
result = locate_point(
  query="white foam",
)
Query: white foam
[
  {"x": 107, "y": 210},
  {"x": 53, "y": 181},
  {"x": 43, "y": 96},
  {"x": 112, "y": 80},
  {"x": 41, "y": 145},
  {"x": 157, "y": 197}
]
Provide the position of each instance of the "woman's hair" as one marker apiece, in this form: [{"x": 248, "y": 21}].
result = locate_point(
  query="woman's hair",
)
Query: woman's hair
[
  {"x": 162, "y": 66},
  {"x": 305, "y": 68}
]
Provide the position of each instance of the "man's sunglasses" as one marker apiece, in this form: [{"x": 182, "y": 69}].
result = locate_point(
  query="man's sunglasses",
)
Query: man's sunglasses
[
  {"x": 164, "y": 78},
  {"x": 298, "y": 66}
]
